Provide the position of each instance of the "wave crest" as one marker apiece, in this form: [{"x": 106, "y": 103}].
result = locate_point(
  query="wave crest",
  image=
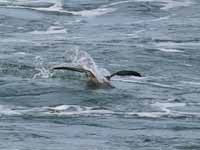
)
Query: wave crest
[{"x": 77, "y": 110}]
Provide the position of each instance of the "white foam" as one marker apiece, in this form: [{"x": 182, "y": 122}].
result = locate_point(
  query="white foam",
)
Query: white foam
[
  {"x": 143, "y": 80},
  {"x": 169, "y": 114},
  {"x": 93, "y": 12},
  {"x": 168, "y": 105},
  {"x": 161, "y": 85},
  {"x": 165, "y": 111},
  {"x": 77, "y": 110},
  {"x": 165, "y": 106},
  {"x": 152, "y": 20},
  {"x": 131, "y": 79},
  {"x": 86, "y": 13},
  {"x": 116, "y": 3},
  {"x": 190, "y": 82},
  {"x": 177, "y": 45},
  {"x": 170, "y": 50},
  {"x": 42, "y": 71},
  {"x": 68, "y": 110},
  {"x": 5, "y": 110},
  {"x": 51, "y": 30},
  {"x": 174, "y": 4},
  {"x": 21, "y": 54},
  {"x": 169, "y": 4},
  {"x": 58, "y": 7},
  {"x": 145, "y": 0},
  {"x": 160, "y": 18},
  {"x": 60, "y": 110},
  {"x": 5, "y": 1},
  {"x": 146, "y": 114}
]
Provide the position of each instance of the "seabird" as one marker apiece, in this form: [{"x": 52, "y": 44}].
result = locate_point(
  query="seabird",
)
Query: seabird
[{"x": 92, "y": 77}]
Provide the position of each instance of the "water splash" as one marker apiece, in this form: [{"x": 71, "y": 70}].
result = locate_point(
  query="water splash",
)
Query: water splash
[
  {"x": 43, "y": 72},
  {"x": 83, "y": 59}
]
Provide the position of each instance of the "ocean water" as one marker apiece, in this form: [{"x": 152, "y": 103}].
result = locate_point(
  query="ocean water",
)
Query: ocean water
[{"x": 42, "y": 109}]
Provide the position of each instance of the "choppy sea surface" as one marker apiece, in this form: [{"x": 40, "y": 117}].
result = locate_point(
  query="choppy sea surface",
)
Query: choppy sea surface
[{"x": 42, "y": 109}]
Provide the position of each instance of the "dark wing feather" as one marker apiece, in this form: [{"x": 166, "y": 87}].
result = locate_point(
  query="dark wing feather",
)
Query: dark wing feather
[
  {"x": 125, "y": 73},
  {"x": 70, "y": 68},
  {"x": 73, "y": 68}
]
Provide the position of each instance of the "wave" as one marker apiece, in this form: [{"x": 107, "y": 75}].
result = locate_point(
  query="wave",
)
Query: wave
[
  {"x": 175, "y": 46},
  {"x": 166, "y": 112},
  {"x": 59, "y": 110},
  {"x": 51, "y": 30},
  {"x": 169, "y": 4},
  {"x": 170, "y": 50},
  {"x": 58, "y": 7},
  {"x": 190, "y": 83},
  {"x": 174, "y": 4},
  {"x": 165, "y": 106},
  {"x": 117, "y": 3},
  {"x": 84, "y": 13},
  {"x": 141, "y": 80},
  {"x": 77, "y": 110},
  {"x": 93, "y": 12},
  {"x": 152, "y": 20}
]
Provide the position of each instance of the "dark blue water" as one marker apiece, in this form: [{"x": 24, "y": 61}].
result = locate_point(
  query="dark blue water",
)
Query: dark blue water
[{"x": 42, "y": 109}]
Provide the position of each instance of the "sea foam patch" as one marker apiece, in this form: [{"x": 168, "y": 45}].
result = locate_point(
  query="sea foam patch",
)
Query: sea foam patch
[
  {"x": 51, "y": 30},
  {"x": 59, "y": 110},
  {"x": 174, "y": 4},
  {"x": 77, "y": 110},
  {"x": 170, "y": 50}
]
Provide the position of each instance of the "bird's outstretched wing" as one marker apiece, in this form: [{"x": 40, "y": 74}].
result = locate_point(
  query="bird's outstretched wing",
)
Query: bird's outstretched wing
[
  {"x": 124, "y": 73},
  {"x": 69, "y": 68},
  {"x": 74, "y": 68},
  {"x": 91, "y": 74}
]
